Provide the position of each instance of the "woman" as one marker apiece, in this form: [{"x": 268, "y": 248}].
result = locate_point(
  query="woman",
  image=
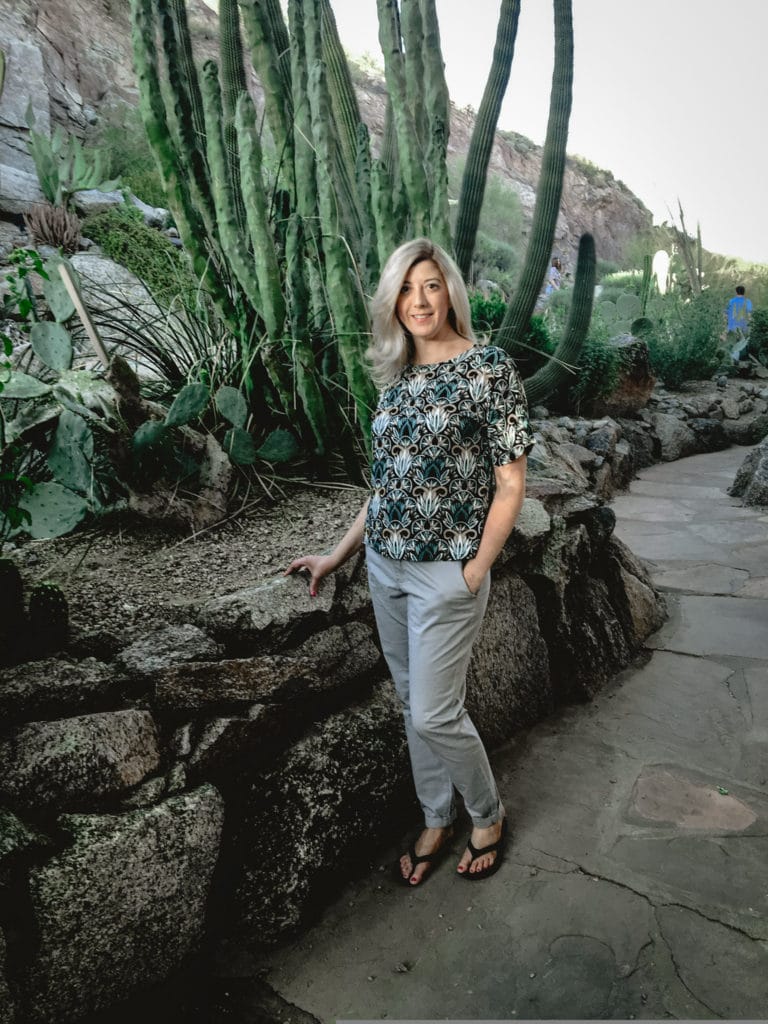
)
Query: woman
[
  {"x": 450, "y": 438},
  {"x": 554, "y": 277}
]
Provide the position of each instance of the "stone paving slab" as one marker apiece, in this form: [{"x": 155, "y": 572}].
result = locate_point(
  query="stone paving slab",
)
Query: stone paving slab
[
  {"x": 705, "y": 625},
  {"x": 635, "y": 883}
]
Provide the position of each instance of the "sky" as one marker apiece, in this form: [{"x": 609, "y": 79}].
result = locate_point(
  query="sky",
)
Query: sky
[{"x": 669, "y": 95}]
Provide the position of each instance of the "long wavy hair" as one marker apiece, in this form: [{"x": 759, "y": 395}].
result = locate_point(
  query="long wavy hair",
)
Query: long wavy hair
[{"x": 391, "y": 344}]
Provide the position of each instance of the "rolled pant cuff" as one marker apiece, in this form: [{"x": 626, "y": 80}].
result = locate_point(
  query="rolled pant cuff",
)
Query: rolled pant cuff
[
  {"x": 498, "y": 815},
  {"x": 431, "y": 821}
]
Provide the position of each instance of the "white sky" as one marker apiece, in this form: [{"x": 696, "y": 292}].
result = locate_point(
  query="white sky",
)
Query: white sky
[{"x": 669, "y": 95}]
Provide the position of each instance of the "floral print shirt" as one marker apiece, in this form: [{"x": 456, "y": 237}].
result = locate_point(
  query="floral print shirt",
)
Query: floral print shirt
[{"x": 439, "y": 431}]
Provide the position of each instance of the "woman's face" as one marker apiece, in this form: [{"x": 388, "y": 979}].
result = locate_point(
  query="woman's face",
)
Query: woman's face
[{"x": 423, "y": 304}]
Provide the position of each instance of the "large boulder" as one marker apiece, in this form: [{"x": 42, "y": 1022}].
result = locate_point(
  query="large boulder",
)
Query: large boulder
[
  {"x": 578, "y": 620},
  {"x": 747, "y": 431},
  {"x": 751, "y": 482},
  {"x": 53, "y": 687},
  {"x": 636, "y": 380},
  {"x": 7, "y": 1007},
  {"x": 72, "y": 762},
  {"x": 508, "y": 684},
  {"x": 676, "y": 438},
  {"x": 325, "y": 805},
  {"x": 122, "y": 905},
  {"x": 165, "y": 646}
]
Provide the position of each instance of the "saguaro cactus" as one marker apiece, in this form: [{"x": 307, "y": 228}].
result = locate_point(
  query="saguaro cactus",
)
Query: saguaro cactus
[
  {"x": 479, "y": 155},
  {"x": 550, "y": 190}
]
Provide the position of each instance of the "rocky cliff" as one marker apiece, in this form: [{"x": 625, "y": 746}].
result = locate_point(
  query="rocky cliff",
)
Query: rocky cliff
[{"x": 70, "y": 60}]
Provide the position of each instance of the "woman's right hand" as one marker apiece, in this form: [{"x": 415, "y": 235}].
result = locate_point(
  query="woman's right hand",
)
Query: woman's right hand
[{"x": 317, "y": 566}]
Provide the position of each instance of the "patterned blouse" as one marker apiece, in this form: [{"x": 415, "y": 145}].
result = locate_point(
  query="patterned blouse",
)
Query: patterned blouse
[{"x": 438, "y": 432}]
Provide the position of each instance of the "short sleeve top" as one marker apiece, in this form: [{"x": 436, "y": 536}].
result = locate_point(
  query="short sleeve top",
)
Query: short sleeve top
[{"x": 439, "y": 431}]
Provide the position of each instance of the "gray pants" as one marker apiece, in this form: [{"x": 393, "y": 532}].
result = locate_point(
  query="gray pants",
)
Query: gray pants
[{"x": 427, "y": 621}]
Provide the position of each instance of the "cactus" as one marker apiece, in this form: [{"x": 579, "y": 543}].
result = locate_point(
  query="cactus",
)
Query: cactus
[
  {"x": 335, "y": 216},
  {"x": 55, "y": 291},
  {"x": 645, "y": 287},
  {"x": 478, "y": 157},
  {"x": 54, "y": 510},
  {"x": 48, "y": 618},
  {"x": 52, "y": 344},
  {"x": 553, "y": 374},
  {"x": 232, "y": 406},
  {"x": 537, "y": 255},
  {"x": 239, "y": 446},
  {"x": 190, "y": 403},
  {"x": 70, "y": 456}
]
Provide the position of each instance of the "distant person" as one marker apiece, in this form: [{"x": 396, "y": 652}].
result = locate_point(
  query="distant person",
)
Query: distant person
[
  {"x": 554, "y": 277},
  {"x": 738, "y": 313}
]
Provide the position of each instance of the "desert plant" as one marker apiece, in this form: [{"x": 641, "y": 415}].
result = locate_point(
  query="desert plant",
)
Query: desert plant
[
  {"x": 150, "y": 255},
  {"x": 54, "y": 225},
  {"x": 120, "y": 137},
  {"x": 684, "y": 340},
  {"x": 325, "y": 225},
  {"x": 600, "y": 365},
  {"x": 63, "y": 164},
  {"x": 758, "y": 335},
  {"x": 487, "y": 312}
]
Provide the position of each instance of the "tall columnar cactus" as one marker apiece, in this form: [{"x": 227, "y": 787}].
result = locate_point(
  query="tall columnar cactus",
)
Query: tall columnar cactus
[
  {"x": 555, "y": 372},
  {"x": 479, "y": 154},
  {"x": 233, "y": 86},
  {"x": 411, "y": 165},
  {"x": 539, "y": 250},
  {"x": 287, "y": 268},
  {"x": 645, "y": 286}
]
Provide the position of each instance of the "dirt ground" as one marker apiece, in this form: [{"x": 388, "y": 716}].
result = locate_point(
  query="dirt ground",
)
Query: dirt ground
[{"x": 123, "y": 575}]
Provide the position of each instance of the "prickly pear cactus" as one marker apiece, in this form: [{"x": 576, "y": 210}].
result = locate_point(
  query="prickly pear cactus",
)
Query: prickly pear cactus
[
  {"x": 11, "y": 611},
  {"x": 48, "y": 618}
]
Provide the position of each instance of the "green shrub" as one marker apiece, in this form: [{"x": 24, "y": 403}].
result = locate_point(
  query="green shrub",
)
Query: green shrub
[
  {"x": 495, "y": 261},
  {"x": 604, "y": 268},
  {"x": 685, "y": 340},
  {"x": 623, "y": 280},
  {"x": 599, "y": 369},
  {"x": 124, "y": 237},
  {"x": 487, "y": 313},
  {"x": 758, "y": 335},
  {"x": 532, "y": 353}
]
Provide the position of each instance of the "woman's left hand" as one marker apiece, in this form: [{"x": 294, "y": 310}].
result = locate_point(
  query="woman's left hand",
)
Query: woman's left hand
[{"x": 473, "y": 576}]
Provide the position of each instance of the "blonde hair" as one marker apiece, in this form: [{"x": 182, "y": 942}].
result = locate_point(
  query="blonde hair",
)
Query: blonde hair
[{"x": 390, "y": 347}]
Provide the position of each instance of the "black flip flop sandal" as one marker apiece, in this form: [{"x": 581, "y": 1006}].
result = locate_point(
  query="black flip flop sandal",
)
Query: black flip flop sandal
[
  {"x": 497, "y": 848},
  {"x": 433, "y": 859}
]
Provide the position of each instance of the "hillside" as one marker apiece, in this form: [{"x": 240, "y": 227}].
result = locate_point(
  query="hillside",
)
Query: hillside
[{"x": 72, "y": 60}]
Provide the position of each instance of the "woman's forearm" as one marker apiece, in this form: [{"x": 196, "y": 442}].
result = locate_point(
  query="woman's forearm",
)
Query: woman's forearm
[
  {"x": 502, "y": 516},
  {"x": 352, "y": 540}
]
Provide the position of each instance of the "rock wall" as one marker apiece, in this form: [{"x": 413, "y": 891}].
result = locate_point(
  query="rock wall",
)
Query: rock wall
[
  {"x": 141, "y": 801},
  {"x": 72, "y": 60},
  {"x": 142, "y": 797}
]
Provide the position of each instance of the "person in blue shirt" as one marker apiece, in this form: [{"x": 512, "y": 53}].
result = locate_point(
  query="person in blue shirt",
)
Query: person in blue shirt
[{"x": 738, "y": 313}]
